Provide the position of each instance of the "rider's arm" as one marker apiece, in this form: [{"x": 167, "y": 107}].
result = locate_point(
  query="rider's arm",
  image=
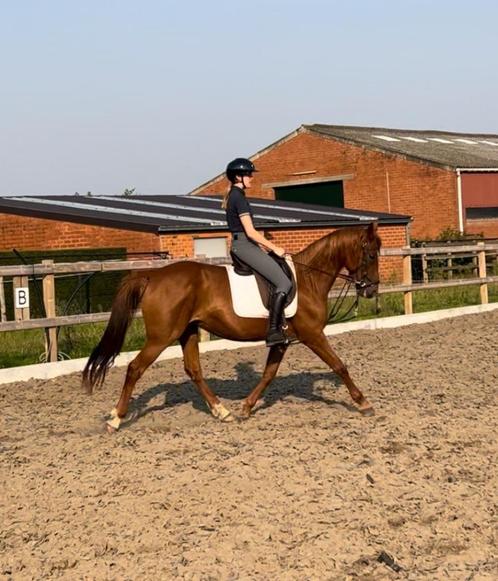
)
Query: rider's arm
[{"x": 253, "y": 234}]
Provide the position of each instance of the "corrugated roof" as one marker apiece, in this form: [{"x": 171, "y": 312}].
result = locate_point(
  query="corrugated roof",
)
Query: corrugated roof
[
  {"x": 442, "y": 148},
  {"x": 169, "y": 213}
]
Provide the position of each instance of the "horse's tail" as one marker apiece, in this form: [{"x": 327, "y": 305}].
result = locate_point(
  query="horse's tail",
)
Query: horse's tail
[{"x": 124, "y": 305}]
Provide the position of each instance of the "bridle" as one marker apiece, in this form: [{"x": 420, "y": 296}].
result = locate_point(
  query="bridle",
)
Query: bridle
[
  {"x": 365, "y": 282},
  {"x": 361, "y": 284}
]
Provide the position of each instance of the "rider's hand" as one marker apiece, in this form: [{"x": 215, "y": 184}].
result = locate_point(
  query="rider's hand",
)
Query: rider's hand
[{"x": 279, "y": 251}]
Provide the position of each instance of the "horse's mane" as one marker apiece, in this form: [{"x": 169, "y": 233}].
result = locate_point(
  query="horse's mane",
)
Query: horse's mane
[
  {"x": 329, "y": 242},
  {"x": 332, "y": 246}
]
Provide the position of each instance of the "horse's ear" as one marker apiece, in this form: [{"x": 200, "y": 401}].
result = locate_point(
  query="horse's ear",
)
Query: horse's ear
[{"x": 372, "y": 230}]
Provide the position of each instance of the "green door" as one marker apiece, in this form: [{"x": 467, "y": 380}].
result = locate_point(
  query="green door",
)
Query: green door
[{"x": 323, "y": 194}]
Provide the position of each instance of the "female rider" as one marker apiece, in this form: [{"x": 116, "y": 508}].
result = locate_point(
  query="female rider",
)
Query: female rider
[{"x": 247, "y": 244}]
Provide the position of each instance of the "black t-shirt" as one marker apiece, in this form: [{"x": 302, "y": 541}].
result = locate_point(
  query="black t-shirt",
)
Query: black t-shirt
[{"x": 237, "y": 205}]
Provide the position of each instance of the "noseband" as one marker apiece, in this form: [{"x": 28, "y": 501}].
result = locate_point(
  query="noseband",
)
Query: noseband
[{"x": 365, "y": 282}]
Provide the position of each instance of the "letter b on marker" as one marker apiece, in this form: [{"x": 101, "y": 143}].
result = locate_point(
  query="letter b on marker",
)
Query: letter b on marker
[{"x": 22, "y": 298}]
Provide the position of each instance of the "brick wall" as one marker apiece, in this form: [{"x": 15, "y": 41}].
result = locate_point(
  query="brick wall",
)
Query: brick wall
[
  {"x": 25, "y": 233},
  {"x": 390, "y": 268},
  {"x": 380, "y": 182},
  {"x": 182, "y": 245},
  {"x": 488, "y": 228}
]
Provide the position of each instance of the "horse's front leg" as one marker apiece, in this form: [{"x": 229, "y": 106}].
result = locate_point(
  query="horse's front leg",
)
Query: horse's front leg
[
  {"x": 320, "y": 345},
  {"x": 273, "y": 361}
]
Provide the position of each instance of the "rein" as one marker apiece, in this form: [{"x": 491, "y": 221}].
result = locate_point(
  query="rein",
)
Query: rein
[{"x": 336, "y": 306}]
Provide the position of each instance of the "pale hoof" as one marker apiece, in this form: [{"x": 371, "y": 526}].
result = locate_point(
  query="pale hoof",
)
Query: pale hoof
[
  {"x": 113, "y": 423},
  {"x": 367, "y": 410},
  {"x": 220, "y": 412}
]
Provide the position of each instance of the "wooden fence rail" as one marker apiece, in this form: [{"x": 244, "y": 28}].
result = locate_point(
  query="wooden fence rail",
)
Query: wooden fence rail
[{"x": 48, "y": 270}]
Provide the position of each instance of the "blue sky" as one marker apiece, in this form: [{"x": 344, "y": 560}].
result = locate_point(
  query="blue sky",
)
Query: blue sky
[{"x": 103, "y": 95}]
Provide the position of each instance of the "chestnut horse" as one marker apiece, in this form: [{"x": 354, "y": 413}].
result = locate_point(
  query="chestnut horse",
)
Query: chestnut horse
[{"x": 180, "y": 298}]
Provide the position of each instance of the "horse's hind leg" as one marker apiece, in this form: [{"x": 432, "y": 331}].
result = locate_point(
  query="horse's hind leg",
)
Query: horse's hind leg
[
  {"x": 320, "y": 345},
  {"x": 190, "y": 346},
  {"x": 273, "y": 361},
  {"x": 136, "y": 369}
]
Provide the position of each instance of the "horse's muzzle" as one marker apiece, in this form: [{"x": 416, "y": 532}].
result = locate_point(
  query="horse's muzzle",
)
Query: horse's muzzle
[{"x": 367, "y": 289}]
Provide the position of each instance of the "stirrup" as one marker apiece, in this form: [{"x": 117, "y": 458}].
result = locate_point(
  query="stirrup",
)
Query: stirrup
[{"x": 276, "y": 337}]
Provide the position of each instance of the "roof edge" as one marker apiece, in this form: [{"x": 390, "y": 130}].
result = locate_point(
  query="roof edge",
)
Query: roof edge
[
  {"x": 253, "y": 157},
  {"x": 375, "y": 128},
  {"x": 380, "y": 149},
  {"x": 400, "y": 221}
]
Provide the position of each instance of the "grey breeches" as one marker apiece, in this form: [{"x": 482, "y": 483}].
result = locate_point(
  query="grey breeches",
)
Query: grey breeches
[{"x": 252, "y": 255}]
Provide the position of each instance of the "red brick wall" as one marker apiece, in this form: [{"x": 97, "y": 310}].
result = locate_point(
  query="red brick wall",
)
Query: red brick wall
[
  {"x": 182, "y": 245},
  {"x": 25, "y": 233},
  {"x": 381, "y": 182},
  {"x": 391, "y": 268}
]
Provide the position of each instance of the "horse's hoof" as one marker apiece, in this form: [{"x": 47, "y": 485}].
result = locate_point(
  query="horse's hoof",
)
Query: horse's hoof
[
  {"x": 220, "y": 412},
  {"x": 368, "y": 411},
  {"x": 245, "y": 412},
  {"x": 113, "y": 424}
]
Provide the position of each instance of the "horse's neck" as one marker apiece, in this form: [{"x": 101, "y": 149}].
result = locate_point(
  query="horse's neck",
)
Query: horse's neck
[{"x": 325, "y": 260}]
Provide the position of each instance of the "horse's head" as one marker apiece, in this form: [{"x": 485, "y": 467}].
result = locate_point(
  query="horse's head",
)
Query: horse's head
[{"x": 362, "y": 262}]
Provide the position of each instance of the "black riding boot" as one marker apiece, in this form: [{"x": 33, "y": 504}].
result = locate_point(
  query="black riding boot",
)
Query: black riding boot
[{"x": 275, "y": 334}]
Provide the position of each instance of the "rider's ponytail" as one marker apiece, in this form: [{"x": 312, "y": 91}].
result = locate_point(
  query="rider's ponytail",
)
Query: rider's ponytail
[{"x": 225, "y": 197}]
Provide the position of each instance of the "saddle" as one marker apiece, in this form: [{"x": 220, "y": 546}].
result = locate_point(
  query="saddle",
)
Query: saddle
[{"x": 266, "y": 289}]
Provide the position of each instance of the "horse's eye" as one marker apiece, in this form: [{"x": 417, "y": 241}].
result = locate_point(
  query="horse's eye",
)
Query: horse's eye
[{"x": 372, "y": 256}]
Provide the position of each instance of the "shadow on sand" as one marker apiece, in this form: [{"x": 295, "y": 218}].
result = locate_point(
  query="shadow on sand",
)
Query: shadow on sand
[{"x": 299, "y": 385}]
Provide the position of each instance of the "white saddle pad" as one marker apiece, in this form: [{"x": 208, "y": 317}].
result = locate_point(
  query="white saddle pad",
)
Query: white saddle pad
[{"x": 246, "y": 299}]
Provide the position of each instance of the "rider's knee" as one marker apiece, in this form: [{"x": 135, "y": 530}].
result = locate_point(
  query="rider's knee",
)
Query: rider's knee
[{"x": 285, "y": 288}]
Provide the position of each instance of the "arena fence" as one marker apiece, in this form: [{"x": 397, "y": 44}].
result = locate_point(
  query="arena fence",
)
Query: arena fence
[{"x": 42, "y": 278}]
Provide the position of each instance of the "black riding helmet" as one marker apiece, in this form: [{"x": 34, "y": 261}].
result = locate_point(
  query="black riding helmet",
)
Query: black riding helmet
[{"x": 239, "y": 167}]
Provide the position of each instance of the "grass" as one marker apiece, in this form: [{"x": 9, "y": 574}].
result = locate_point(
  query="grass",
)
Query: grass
[
  {"x": 28, "y": 347},
  {"x": 429, "y": 300}
]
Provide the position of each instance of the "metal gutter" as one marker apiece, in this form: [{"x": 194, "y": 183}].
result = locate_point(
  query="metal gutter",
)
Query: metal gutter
[
  {"x": 459, "y": 200},
  {"x": 299, "y": 226}
]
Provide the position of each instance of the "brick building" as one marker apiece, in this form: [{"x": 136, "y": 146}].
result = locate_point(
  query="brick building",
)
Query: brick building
[
  {"x": 443, "y": 180},
  {"x": 179, "y": 226}
]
